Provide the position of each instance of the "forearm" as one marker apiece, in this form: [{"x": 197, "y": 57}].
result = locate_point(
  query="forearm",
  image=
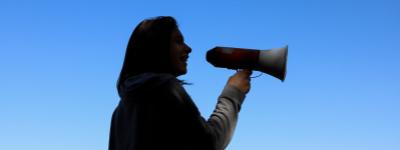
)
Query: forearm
[{"x": 224, "y": 118}]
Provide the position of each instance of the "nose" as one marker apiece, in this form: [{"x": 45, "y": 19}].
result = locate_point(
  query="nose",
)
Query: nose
[{"x": 188, "y": 49}]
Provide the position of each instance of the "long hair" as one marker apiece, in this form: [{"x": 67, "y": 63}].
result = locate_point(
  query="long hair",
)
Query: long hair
[{"x": 148, "y": 48}]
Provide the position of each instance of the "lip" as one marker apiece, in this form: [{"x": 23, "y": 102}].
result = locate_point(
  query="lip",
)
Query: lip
[{"x": 185, "y": 58}]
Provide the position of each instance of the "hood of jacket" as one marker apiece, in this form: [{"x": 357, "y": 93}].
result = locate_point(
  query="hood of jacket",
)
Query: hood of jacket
[{"x": 143, "y": 83}]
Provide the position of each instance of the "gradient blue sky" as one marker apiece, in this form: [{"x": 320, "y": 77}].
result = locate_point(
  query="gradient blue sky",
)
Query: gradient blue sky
[{"x": 59, "y": 62}]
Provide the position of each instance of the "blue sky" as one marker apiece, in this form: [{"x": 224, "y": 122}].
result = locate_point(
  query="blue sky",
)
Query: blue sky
[{"x": 60, "y": 60}]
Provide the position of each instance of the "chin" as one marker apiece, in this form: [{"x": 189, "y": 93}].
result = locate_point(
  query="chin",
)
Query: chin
[{"x": 181, "y": 72}]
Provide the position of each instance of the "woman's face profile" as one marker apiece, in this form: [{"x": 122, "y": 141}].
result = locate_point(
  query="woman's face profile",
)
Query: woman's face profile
[{"x": 179, "y": 53}]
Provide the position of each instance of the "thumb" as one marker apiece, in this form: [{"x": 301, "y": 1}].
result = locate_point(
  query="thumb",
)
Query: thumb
[{"x": 246, "y": 72}]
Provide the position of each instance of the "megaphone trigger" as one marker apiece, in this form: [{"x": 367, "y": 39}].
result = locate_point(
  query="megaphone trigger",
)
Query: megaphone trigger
[
  {"x": 237, "y": 70},
  {"x": 257, "y": 75}
]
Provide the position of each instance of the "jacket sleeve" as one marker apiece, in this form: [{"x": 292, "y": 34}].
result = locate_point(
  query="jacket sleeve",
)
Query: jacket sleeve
[
  {"x": 222, "y": 121},
  {"x": 219, "y": 128}
]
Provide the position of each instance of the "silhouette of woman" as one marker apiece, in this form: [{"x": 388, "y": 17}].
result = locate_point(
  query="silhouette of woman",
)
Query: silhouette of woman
[{"x": 155, "y": 112}]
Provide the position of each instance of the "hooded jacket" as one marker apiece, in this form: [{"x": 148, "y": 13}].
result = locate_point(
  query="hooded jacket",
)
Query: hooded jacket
[{"x": 156, "y": 113}]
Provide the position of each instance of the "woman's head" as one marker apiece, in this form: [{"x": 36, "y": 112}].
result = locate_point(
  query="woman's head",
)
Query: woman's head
[{"x": 156, "y": 45}]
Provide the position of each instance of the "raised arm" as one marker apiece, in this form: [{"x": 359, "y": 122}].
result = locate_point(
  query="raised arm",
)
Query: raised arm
[{"x": 223, "y": 120}]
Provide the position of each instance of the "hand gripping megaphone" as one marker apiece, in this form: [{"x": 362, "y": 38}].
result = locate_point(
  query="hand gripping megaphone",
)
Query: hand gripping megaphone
[{"x": 271, "y": 61}]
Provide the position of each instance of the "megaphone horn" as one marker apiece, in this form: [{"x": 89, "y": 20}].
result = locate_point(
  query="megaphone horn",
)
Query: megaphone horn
[{"x": 273, "y": 62}]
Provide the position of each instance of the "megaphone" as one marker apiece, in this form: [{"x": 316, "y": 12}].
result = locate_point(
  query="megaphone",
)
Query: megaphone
[{"x": 270, "y": 61}]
